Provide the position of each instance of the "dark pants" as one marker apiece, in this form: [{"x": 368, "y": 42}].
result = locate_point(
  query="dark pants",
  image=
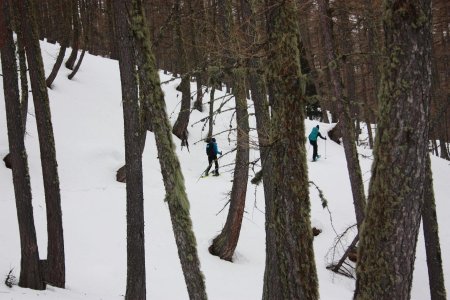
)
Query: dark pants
[
  {"x": 210, "y": 161},
  {"x": 314, "y": 144}
]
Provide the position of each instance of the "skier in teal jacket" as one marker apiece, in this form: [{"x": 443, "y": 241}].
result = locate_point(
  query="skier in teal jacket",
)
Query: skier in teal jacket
[{"x": 313, "y": 141}]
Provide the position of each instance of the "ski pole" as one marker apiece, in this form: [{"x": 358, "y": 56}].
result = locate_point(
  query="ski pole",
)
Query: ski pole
[{"x": 325, "y": 149}]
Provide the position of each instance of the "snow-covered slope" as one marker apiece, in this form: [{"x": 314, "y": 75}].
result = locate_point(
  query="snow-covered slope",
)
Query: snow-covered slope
[{"x": 88, "y": 125}]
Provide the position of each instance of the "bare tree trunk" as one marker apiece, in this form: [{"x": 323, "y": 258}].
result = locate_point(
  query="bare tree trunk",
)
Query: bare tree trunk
[
  {"x": 64, "y": 42},
  {"x": 225, "y": 243},
  {"x": 431, "y": 235},
  {"x": 76, "y": 35},
  {"x": 176, "y": 196},
  {"x": 211, "y": 112},
  {"x": 343, "y": 107},
  {"x": 396, "y": 194},
  {"x": 23, "y": 79},
  {"x": 262, "y": 116},
  {"x": 182, "y": 122},
  {"x": 56, "y": 66},
  {"x": 30, "y": 275},
  {"x": 55, "y": 274},
  {"x": 77, "y": 66},
  {"x": 136, "y": 283},
  {"x": 442, "y": 144}
]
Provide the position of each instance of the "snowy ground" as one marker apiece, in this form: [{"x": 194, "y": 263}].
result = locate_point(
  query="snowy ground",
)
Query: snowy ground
[{"x": 88, "y": 125}]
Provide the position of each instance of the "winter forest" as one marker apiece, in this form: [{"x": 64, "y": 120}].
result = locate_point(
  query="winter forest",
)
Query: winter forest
[{"x": 225, "y": 149}]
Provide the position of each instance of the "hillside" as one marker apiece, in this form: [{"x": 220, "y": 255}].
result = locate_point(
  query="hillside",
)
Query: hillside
[{"x": 88, "y": 124}]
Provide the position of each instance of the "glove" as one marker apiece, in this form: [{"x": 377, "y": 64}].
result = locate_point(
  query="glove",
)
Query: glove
[{"x": 220, "y": 152}]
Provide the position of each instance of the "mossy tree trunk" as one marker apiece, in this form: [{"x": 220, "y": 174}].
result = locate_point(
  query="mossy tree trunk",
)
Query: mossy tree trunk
[
  {"x": 225, "y": 243},
  {"x": 30, "y": 274},
  {"x": 176, "y": 196},
  {"x": 55, "y": 274},
  {"x": 291, "y": 204},
  {"x": 136, "y": 283},
  {"x": 389, "y": 235},
  {"x": 432, "y": 243},
  {"x": 343, "y": 109}
]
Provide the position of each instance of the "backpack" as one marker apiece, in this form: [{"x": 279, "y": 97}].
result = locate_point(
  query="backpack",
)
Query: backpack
[{"x": 210, "y": 149}]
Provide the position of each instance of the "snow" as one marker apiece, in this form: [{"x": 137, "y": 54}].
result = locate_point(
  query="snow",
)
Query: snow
[{"x": 88, "y": 126}]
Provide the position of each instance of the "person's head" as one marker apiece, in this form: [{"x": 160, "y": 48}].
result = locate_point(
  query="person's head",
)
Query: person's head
[
  {"x": 213, "y": 140},
  {"x": 317, "y": 126}
]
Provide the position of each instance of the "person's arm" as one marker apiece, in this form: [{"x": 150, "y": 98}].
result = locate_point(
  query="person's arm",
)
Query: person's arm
[
  {"x": 322, "y": 136},
  {"x": 216, "y": 149}
]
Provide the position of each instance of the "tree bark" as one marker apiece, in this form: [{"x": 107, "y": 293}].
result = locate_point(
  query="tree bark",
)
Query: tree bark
[
  {"x": 23, "y": 79},
  {"x": 176, "y": 196},
  {"x": 292, "y": 225},
  {"x": 389, "y": 236},
  {"x": 211, "y": 113},
  {"x": 77, "y": 66},
  {"x": 343, "y": 108},
  {"x": 55, "y": 252},
  {"x": 225, "y": 243},
  {"x": 136, "y": 283},
  {"x": 75, "y": 37},
  {"x": 64, "y": 42},
  {"x": 431, "y": 235},
  {"x": 30, "y": 275},
  {"x": 182, "y": 122}
]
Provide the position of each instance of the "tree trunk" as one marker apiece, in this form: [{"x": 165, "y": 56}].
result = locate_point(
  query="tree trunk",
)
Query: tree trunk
[
  {"x": 252, "y": 10},
  {"x": 388, "y": 239},
  {"x": 30, "y": 275},
  {"x": 56, "y": 66},
  {"x": 291, "y": 204},
  {"x": 442, "y": 144},
  {"x": 64, "y": 42},
  {"x": 176, "y": 196},
  {"x": 182, "y": 122},
  {"x": 77, "y": 66},
  {"x": 136, "y": 283},
  {"x": 225, "y": 243},
  {"x": 343, "y": 108},
  {"x": 76, "y": 35},
  {"x": 211, "y": 113},
  {"x": 431, "y": 235},
  {"x": 23, "y": 80},
  {"x": 55, "y": 252},
  {"x": 262, "y": 115}
]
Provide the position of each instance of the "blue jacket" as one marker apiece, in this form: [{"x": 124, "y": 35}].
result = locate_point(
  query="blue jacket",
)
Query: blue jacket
[
  {"x": 314, "y": 134},
  {"x": 215, "y": 149}
]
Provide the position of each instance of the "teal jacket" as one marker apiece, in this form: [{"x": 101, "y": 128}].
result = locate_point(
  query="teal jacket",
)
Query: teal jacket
[{"x": 314, "y": 134}]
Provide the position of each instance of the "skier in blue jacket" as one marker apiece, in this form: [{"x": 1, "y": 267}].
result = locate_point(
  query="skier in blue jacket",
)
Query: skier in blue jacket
[
  {"x": 313, "y": 141},
  {"x": 212, "y": 151}
]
